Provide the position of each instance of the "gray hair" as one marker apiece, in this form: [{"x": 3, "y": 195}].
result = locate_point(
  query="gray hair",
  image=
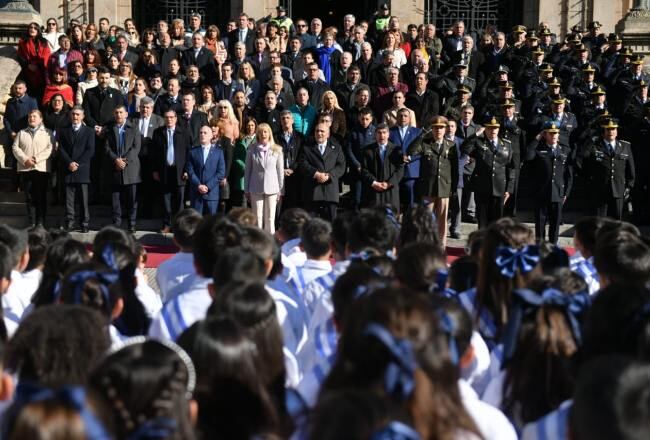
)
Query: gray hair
[
  {"x": 77, "y": 108},
  {"x": 386, "y": 54},
  {"x": 146, "y": 101}
]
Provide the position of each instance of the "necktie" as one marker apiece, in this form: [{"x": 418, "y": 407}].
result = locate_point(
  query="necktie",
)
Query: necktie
[
  {"x": 121, "y": 146},
  {"x": 382, "y": 152},
  {"x": 321, "y": 148},
  {"x": 188, "y": 116},
  {"x": 611, "y": 149},
  {"x": 495, "y": 146},
  {"x": 241, "y": 36},
  {"x": 439, "y": 146},
  {"x": 170, "y": 147},
  {"x": 196, "y": 53}
]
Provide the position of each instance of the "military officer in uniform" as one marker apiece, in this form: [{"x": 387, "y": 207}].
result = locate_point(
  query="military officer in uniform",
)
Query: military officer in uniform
[
  {"x": 564, "y": 120},
  {"x": 438, "y": 171},
  {"x": 608, "y": 166},
  {"x": 511, "y": 130},
  {"x": 493, "y": 178},
  {"x": 552, "y": 171}
]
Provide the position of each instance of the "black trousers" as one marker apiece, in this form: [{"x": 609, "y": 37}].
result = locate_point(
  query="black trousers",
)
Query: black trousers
[
  {"x": 324, "y": 210},
  {"x": 124, "y": 194},
  {"x": 551, "y": 213},
  {"x": 455, "y": 211},
  {"x": 76, "y": 192},
  {"x": 488, "y": 209},
  {"x": 510, "y": 208},
  {"x": 34, "y": 184},
  {"x": 609, "y": 207},
  {"x": 468, "y": 201},
  {"x": 173, "y": 201}
]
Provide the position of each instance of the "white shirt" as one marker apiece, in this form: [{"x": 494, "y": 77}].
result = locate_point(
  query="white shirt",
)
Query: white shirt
[
  {"x": 477, "y": 373},
  {"x": 206, "y": 152},
  {"x": 291, "y": 250},
  {"x": 173, "y": 272},
  {"x": 144, "y": 126},
  {"x": 490, "y": 421},
  {"x": 309, "y": 271},
  {"x": 15, "y": 301},
  {"x": 148, "y": 297}
]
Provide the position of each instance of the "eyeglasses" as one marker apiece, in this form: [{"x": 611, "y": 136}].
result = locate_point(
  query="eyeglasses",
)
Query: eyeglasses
[
  {"x": 301, "y": 25},
  {"x": 51, "y": 24}
]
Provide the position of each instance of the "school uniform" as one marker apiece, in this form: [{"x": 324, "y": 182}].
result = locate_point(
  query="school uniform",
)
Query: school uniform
[
  {"x": 117, "y": 338},
  {"x": 317, "y": 288},
  {"x": 30, "y": 281},
  {"x": 310, "y": 385},
  {"x": 291, "y": 250},
  {"x": 172, "y": 272},
  {"x": 587, "y": 271},
  {"x": 477, "y": 374},
  {"x": 182, "y": 310},
  {"x": 485, "y": 323},
  {"x": 490, "y": 421},
  {"x": 308, "y": 272},
  {"x": 493, "y": 394},
  {"x": 14, "y": 302},
  {"x": 147, "y": 296},
  {"x": 553, "y": 426}
]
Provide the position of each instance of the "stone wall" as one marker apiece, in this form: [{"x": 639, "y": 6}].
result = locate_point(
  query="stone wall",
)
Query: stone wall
[{"x": 9, "y": 70}]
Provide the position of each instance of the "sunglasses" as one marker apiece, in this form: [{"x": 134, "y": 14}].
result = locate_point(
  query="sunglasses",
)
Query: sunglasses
[
  {"x": 51, "y": 24},
  {"x": 301, "y": 25}
]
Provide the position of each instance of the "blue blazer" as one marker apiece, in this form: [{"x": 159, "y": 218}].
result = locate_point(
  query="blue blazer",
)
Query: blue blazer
[
  {"x": 210, "y": 173},
  {"x": 412, "y": 170}
]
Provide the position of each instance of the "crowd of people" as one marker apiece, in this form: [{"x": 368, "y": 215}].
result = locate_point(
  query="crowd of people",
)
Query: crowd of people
[
  {"x": 273, "y": 115},
  {"x": 284, "y": 316}
]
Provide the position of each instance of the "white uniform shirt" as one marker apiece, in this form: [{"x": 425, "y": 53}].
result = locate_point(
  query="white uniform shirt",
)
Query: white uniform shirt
[{"x": 173, "y": 272}]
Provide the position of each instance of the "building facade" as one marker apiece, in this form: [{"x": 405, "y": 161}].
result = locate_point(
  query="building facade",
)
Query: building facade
[{"x": 561, "y": 15}]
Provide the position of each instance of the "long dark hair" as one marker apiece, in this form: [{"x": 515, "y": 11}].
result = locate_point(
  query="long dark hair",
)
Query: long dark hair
[
  {"x": 63, "y": 254},
  {"x": 38, "y": 39},
  {"x": 232, "y": 398}
]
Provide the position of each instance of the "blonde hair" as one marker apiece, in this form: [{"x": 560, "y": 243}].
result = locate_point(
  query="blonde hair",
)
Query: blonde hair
[
  {"x": 275, "y": 148},
  {"x": 240, "y": 72},
  {"x": 231, "y": 113},
  {"x": 333, "y": 95}
]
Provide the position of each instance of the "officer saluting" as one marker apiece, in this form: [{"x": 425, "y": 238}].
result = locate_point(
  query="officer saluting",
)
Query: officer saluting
[
  {"x": 438, "y": 171},
  {"x": 552, "y": 172},
  {"x": 608, "y": 166},
  {"x": 494, "y": 174}
]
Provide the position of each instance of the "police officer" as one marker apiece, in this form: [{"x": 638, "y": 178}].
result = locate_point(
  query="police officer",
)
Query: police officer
[
  {"x": 494, "y": 174},
  {"x": 552, "y": 171},
  {"x": 511, "y": 130},
  {"x": 438, "y": 171},
  {"x": 564, "y": 120},
  {"x": 608, "y": 166}
]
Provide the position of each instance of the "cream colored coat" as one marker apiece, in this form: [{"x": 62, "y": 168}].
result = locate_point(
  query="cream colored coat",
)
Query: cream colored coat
[{"x": 39, "y": 146}]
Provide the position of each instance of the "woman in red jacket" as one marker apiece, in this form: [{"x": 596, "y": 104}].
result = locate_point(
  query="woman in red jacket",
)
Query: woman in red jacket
[
  {"x": 33, "y": 54},
  {"x": 58, "y": 85}
]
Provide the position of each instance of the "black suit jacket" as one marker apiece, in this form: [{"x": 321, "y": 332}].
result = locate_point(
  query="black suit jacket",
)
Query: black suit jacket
[
  {"x": 130, "y": 152},
  {"x": 193, "y": 126},
  {"x": 98, "y": 109},
  {"x": 316, "y": 90},
  {"x": 131, "y": 57},
  {"x": 425, "y": 106},
  {"x": 233, "y": 37},
  {"x": 390, "y": 170},
  {"x": 290, "y": 149},
  {"x": 158, "y": 156},
  {"x": 333, "y": 162},
  {"x": 165, "y": 55},
  {"x": 552, "y": 173},
  {"x": 76, "y": 147},
  {"x": 164, "y": 103},
  {"x": 494, "y": 173},
  {"x": 204, "y": 61}
]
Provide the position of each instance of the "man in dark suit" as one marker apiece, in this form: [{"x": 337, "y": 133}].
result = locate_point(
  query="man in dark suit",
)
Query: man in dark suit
[
  {"x": 466, "y": 128},
  {"x": 171, "y": 142},
  {"x": 242, "y": 34},
  {"x": 123, "y": 53},
  {"x": 191, "y": 119},
  {"x": 260, "y": 59},
  {"x": 402, "y": 136},
  {"x": 608, "y": 165},
  {"x": 314, "y": 85},
  {"x": 424, "y": 102},
  {"x": 76, "y": 148},
  {"x": 122, "y": 148},
  {"x": 269, "y": 112},
  {"x": 382, "y": 167},
  {"x": 166, "y": 53},
  {"x": 321, "y": 165},
  {"x": 552, "y": 172},
  {"x": 494, "y": 173},
  {"x": 99, "y": 103},
  {"x": 15, "y": 117},
  {"x": 291, "y": 142},
  {"x": 170, "y": 100},
  {"x": 199, "y": 56},
  {"x": 471, "y": 58},
  {"x": 146, "y": 123},
  {"x": 345, "y": 91},
  {"x": 206, "y": 167}
]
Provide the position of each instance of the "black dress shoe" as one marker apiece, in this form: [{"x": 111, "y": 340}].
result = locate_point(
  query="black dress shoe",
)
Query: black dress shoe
[
  {"x": 469, "y": 219},
  {"x": 455, "y": 235},
  {"x": 84, "y": 230},
  {"x": 132, "y": 229}
]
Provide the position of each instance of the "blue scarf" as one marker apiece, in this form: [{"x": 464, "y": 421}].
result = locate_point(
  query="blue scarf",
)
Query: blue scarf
[{"x": 324, "y": 54}]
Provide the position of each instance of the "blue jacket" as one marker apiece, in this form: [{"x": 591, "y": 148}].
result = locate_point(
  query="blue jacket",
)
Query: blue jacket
[
  {"x": 303, "y": 120},
  {"x": 16, "y": 113},
  {"x": 210, "y": 173},
  {"x": 412, "y": 170}
]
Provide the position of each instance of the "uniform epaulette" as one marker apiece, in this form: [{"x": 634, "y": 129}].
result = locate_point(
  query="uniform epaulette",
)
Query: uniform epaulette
[
  {"x": 506, "y": 140},
  {"x": 595, "y": 138},
  {"x": 623, "y": 142}
]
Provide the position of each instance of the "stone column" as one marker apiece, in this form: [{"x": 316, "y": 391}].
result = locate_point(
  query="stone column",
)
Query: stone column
[{"x": 635, "y": 29}]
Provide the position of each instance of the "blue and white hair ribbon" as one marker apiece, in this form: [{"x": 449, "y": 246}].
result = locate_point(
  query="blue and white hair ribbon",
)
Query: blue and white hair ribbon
[{"x": 510, "y": 259}]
